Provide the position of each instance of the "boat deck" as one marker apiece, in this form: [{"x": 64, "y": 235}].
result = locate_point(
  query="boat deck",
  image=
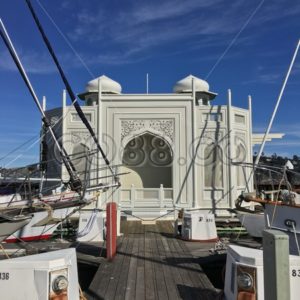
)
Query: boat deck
[{"x": 151, "y": 264}]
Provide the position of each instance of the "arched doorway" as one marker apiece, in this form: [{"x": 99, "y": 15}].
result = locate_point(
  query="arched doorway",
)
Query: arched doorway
[{"x": 148, "y": 158}]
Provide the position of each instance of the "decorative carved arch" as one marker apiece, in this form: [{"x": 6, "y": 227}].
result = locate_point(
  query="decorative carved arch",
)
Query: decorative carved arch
[
  {"x": 135, "y": 134},
  {"x": 149, "y": 159}
]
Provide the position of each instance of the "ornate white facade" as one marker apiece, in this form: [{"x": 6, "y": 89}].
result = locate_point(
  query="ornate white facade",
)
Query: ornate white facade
[{"x": 177, "y": 147}]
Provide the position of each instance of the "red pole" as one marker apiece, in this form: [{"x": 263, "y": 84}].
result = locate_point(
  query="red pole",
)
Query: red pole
[{"x": 111, "y": 230}]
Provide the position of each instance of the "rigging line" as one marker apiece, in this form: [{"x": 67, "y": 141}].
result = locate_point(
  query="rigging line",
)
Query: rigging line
[
  {"x": 30, "y": 146},
  {"x": 17, "y": 148},
  {"x": 296, "y": 238},
  {"x": 63, "y": 117},
  {"x": 69, "y": 43},
  {"x": 277, "y": 105},
  {"x": 234, "y": 39},
  {"x": 68, "y": 87},
  {"x": 275, "y": 109},
  {"x": 74, "y": 180},
  {"x": 22, "y": 154},
  {"x": 66, "y": 39}
]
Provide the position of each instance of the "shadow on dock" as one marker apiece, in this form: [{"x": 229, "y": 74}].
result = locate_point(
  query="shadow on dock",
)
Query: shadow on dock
[{"x": 151, "y": 264}]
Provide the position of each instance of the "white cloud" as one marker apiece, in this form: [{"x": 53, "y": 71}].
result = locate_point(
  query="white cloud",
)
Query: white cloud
[
  {"x": 129, "y": 32},
  {"x": 142, "y": 26},
  {"x": 33, "y": 62},
  {"x": 278, "y": 9}
]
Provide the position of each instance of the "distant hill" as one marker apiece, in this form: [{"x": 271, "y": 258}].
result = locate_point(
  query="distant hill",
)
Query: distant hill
[{"x": 33, "y": 170}]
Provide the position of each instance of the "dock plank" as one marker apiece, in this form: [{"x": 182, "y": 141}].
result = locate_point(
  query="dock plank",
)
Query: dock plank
[
  {"x": 122, "y": 283},
  {"x": 151, "y": 264},
  {"x": 101, "y": 279},
  {"x": 140, "y": 272},
  {"x": 150, "y": 288},
  {"x": 115, "y": 276},
  {"x": 158, "y": 267},
  {"x": 131, "y": 280},
  {"x": 167, "y": 271}
]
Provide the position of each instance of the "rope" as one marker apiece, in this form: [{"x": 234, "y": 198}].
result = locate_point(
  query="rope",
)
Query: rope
[
  {"x": 5, "y": 253},
  {"x": 240, "y": 231},
  {"x": 296, "y": 239},
  {"x": 81, "y": 295},
  {"x": 142, "y": 219},
  {"x": 88, "y": 227}
]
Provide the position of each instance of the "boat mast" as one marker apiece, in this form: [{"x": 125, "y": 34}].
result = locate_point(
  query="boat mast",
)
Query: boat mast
[
  {"x": 276, "y": 106},
  {"x": 69, "y": 89},
  {"x": 75, "y": 182}
]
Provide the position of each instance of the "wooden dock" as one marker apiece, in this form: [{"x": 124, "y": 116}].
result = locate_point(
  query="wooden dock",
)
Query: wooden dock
[{"x": 151, "y": 264}]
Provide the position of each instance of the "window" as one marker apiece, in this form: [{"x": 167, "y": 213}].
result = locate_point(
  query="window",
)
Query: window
[
  {"x": 89, "y": 102},
  {"x": 213, "y": 166},
  {"x": 213, "y": 117},
  {"x": 239, "y": 119},
  {"x": 76, "y": 118}
]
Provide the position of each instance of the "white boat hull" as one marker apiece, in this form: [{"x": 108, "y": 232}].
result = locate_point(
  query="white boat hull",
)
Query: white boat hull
[
  {"x": 253, "y": 222},
  {"x": 279, "y": 217},
  {"x": 8, "y": 227},
  {"x": 31, "y": 232},
  {"x": 287, "y": 219}
]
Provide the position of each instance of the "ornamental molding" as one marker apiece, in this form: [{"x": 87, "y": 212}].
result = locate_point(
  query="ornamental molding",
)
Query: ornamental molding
[
  {"x": 79, "y": 136},
  {"x": 163, "y": 126}
]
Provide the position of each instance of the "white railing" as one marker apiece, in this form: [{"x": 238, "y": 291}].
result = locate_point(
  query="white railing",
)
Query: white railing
[{"x": 147, "y": 197}]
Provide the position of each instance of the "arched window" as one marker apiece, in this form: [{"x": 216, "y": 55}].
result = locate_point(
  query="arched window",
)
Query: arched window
[{"x": 213, "y": 166}]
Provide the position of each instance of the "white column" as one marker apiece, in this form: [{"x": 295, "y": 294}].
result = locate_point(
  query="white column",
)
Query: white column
[
  {"x": 147, "y": 83},
  {"x": 99, "y": 135},
  {"x": 195, "y": 194},
  {"x": 43, "y": 132},
  {"x": 44, "y": 103},
  {"x": 229, "y": 153},
  {"x": 161, "y": 195},
  {"x": 250, "y": 148},
  {"x": 64, "y": 176},
  {"x": 132, "y": 196}
]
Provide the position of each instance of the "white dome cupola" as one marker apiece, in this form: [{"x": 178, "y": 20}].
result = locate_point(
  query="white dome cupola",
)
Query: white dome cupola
[
  {"x": 202, "y": 93},
  {"x": 108, "y": 86},
  {"x": 185, "y": 85}
]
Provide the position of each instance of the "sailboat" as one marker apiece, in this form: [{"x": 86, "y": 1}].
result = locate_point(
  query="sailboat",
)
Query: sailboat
[
  {"x": 53, "y": 209},
  {"x": 9, "y": 225},
  {"x": 279, "y": 209},
  {"x": 244, "y": 276}
]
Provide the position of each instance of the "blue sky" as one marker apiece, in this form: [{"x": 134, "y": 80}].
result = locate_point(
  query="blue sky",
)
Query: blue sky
[{"x": 242, "y": 45}]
